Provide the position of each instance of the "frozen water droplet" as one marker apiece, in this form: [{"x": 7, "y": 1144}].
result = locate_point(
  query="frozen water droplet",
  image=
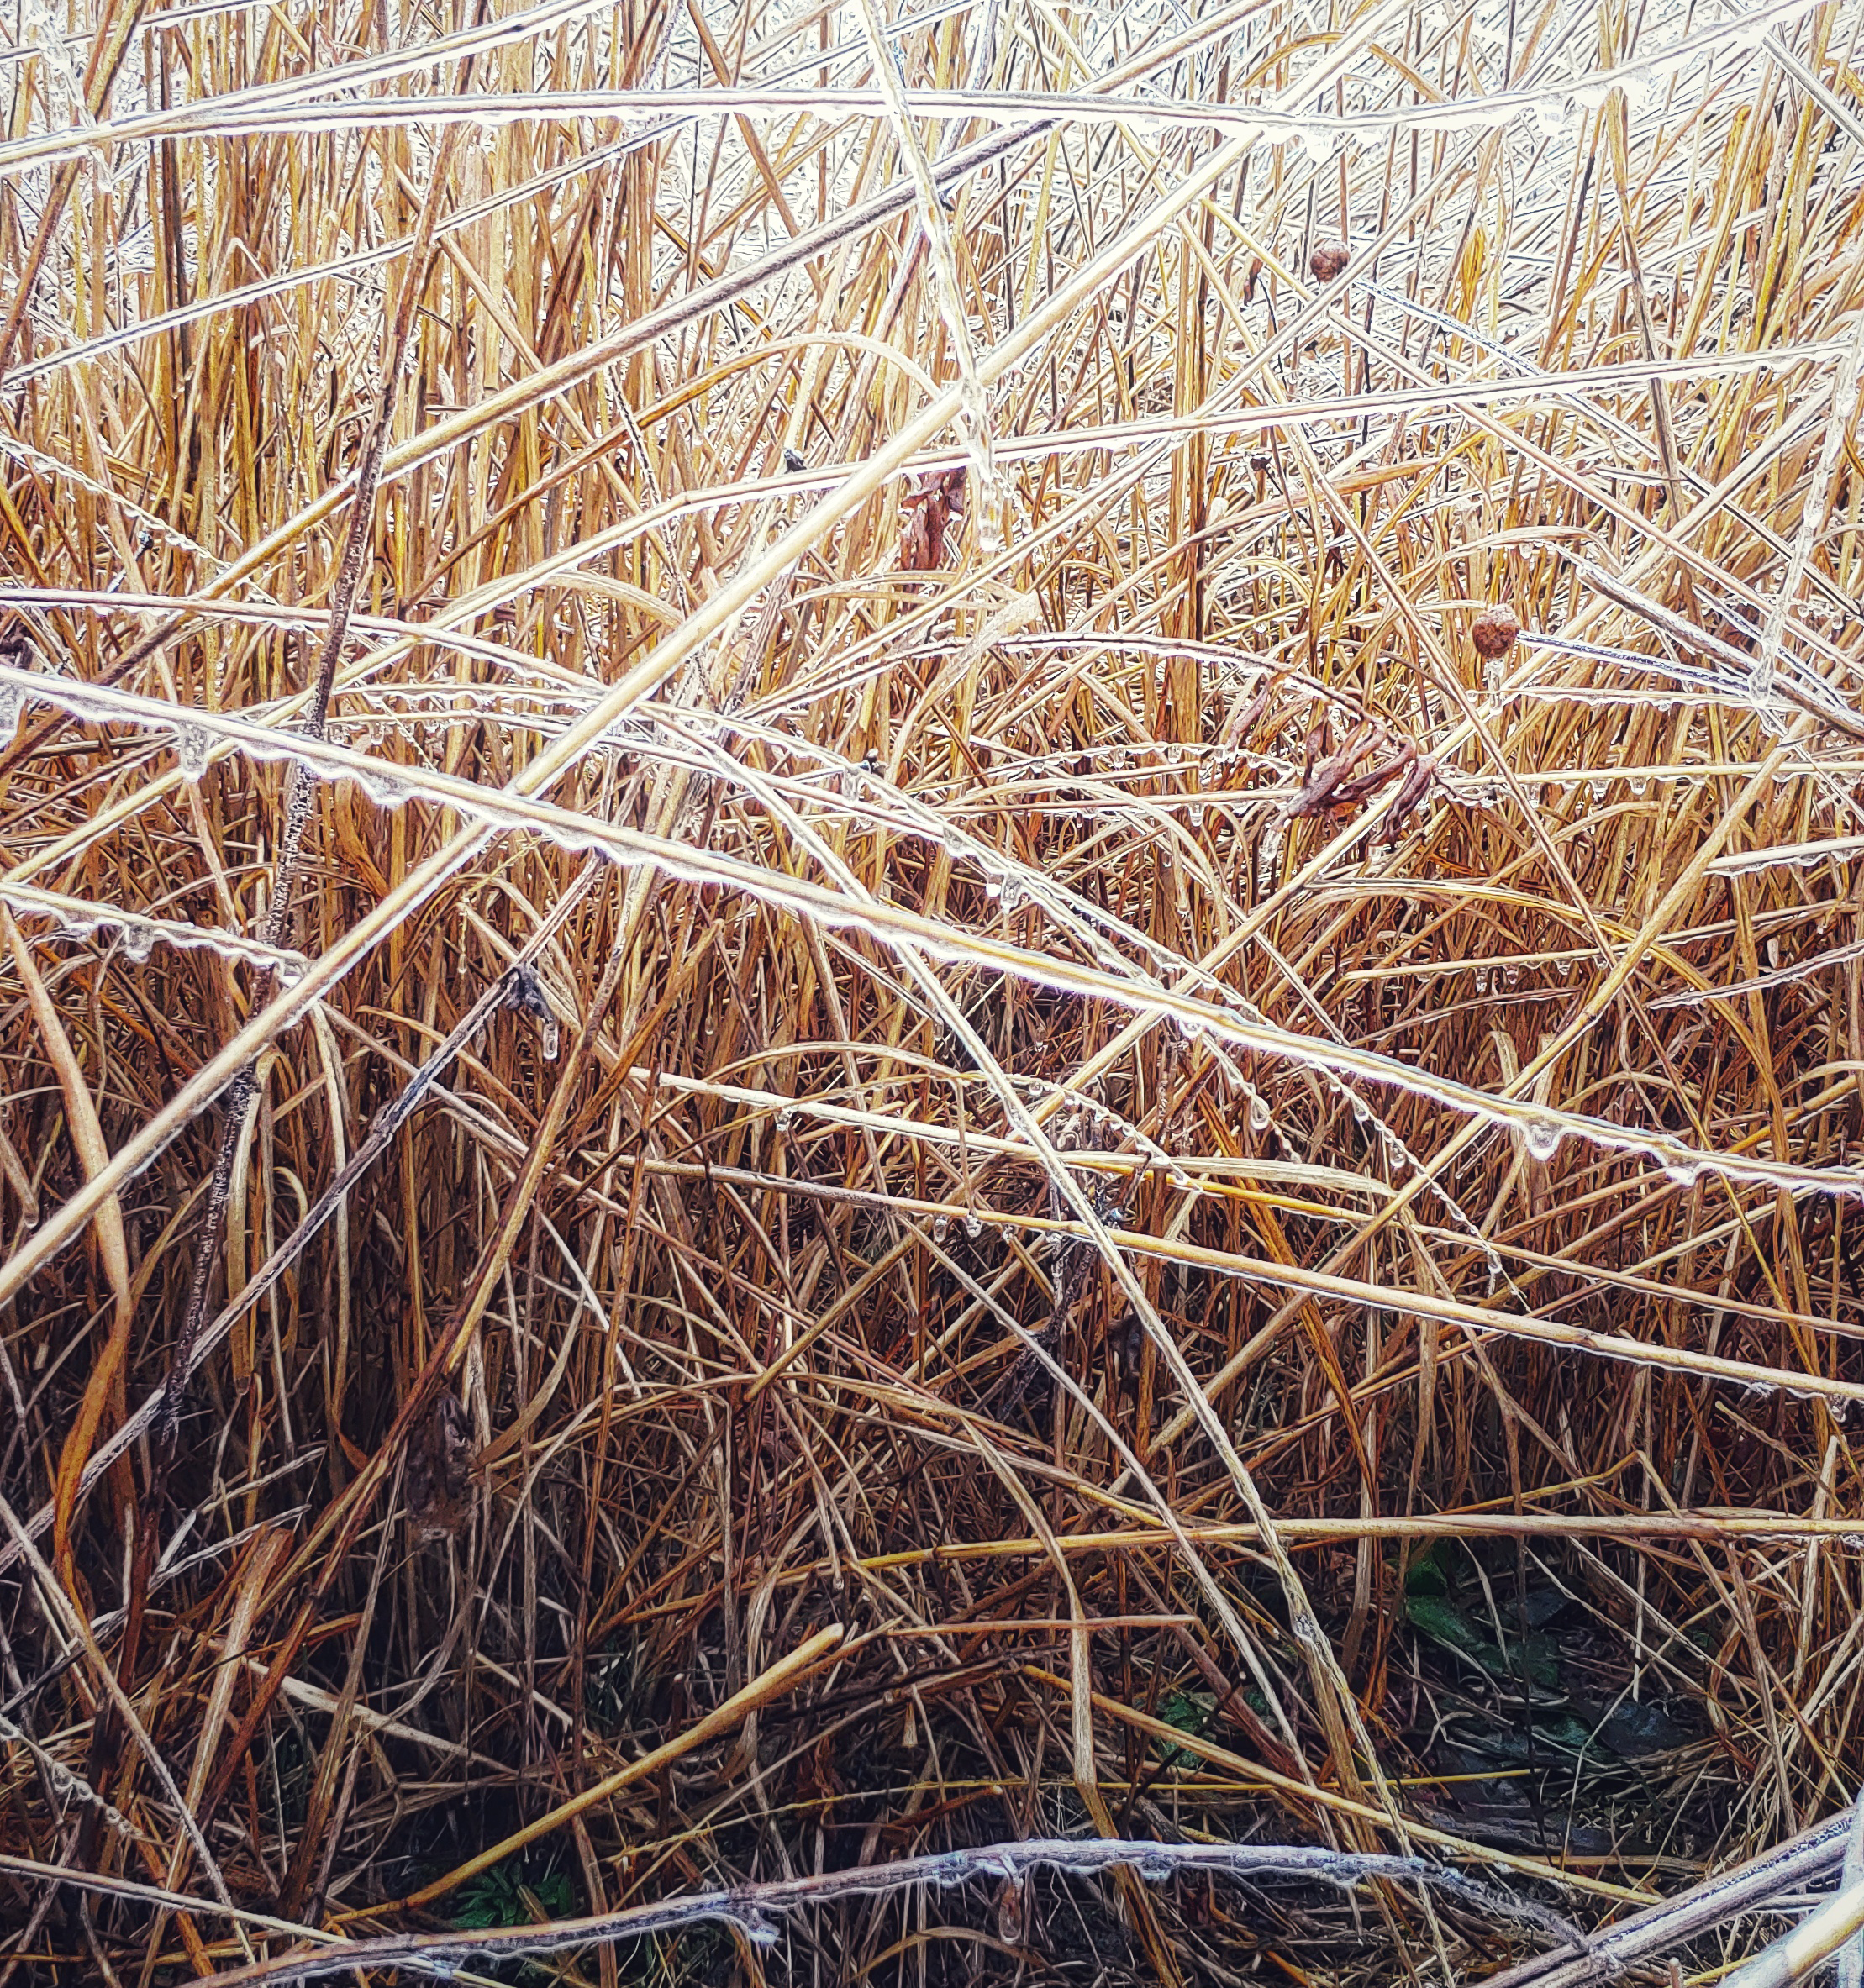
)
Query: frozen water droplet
[
  {"x": 786, "y": 1118},
  {"x": 386, "y": 790},
  {"x": 13, "y": 702},
  {"x": 139, "y": 940},
  {"x": 192, "y": 746},
  {"x": 1258, "y": 1112},
  {"x": 550, "y": 1038},
  {"x": 974, "y": 1225},
  {"x": 1541, "y": 1137},
  {"x": 1362, "y": 1110},
  {"x": 941, "y": 1228}
]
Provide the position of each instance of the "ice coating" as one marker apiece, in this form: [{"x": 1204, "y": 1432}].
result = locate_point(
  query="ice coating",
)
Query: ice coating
[
  {"x": 892, "y": 926},
  {"x": 81, "y": 920},
  {"x": 1075, "y": 850}
]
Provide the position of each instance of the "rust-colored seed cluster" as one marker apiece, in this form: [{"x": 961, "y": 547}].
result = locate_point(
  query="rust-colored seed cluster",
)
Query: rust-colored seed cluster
[
  {"x": 1329, "y": 259},
  {"x": 1494, "y": 632}
]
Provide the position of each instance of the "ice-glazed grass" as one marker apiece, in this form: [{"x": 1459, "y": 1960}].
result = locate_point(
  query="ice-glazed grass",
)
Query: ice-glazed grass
[{"x": 929, "y": 939}]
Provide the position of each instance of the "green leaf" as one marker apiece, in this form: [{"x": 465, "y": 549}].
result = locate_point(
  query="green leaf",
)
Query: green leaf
[
  {"x": 556, "y": 1894},
  {"x": 490, "y": 1899},
  {"x": 1574, "y": 1735},
  {"x": 497, "y": 1897},
  {"x": 1426, "y": 1575},
  {"x": 1632, "y": 1730},
  {"x": 1189, "y": 1712},
  {"x": 1442, "y": 1619},
  {"x": 1543, "y": 1605},
  {"x": 1537, "y": 1657},
  {"x": 1562, "y": 1733}
]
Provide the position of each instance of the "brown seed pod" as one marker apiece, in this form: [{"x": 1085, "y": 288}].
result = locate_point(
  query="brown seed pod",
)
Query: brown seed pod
[
  {"x": 1493, "y": 631},
  {"x": 1328, "y": 259}
]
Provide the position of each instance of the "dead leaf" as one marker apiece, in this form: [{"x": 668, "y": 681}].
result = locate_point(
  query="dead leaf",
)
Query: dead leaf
[
  {"x": 1409, "y": 797},
  {"x": 1012, "y": 1920},
  {"x": 1319, "y": 793},
  {"x": 931, "y": 509},
  {"x": 440, "y": 1471}
]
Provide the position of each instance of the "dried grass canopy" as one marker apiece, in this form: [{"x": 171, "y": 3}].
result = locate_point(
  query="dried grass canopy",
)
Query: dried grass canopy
[{"x": 929, "y": 966}]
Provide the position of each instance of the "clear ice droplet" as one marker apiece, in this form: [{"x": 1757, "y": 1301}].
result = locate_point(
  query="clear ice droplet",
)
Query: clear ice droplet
[{"x": 1542, "y": 1137}]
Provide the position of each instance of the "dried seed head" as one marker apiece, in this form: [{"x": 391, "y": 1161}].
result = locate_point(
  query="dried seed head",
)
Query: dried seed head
[
  {"x": 1012, "y": 1915},
  {"x": 1328, "y": 259},
  {"x": 1493, "y": 631}
]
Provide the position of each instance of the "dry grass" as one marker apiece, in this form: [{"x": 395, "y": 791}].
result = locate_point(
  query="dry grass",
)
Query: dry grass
[{"x": 812, "y": 1051}]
